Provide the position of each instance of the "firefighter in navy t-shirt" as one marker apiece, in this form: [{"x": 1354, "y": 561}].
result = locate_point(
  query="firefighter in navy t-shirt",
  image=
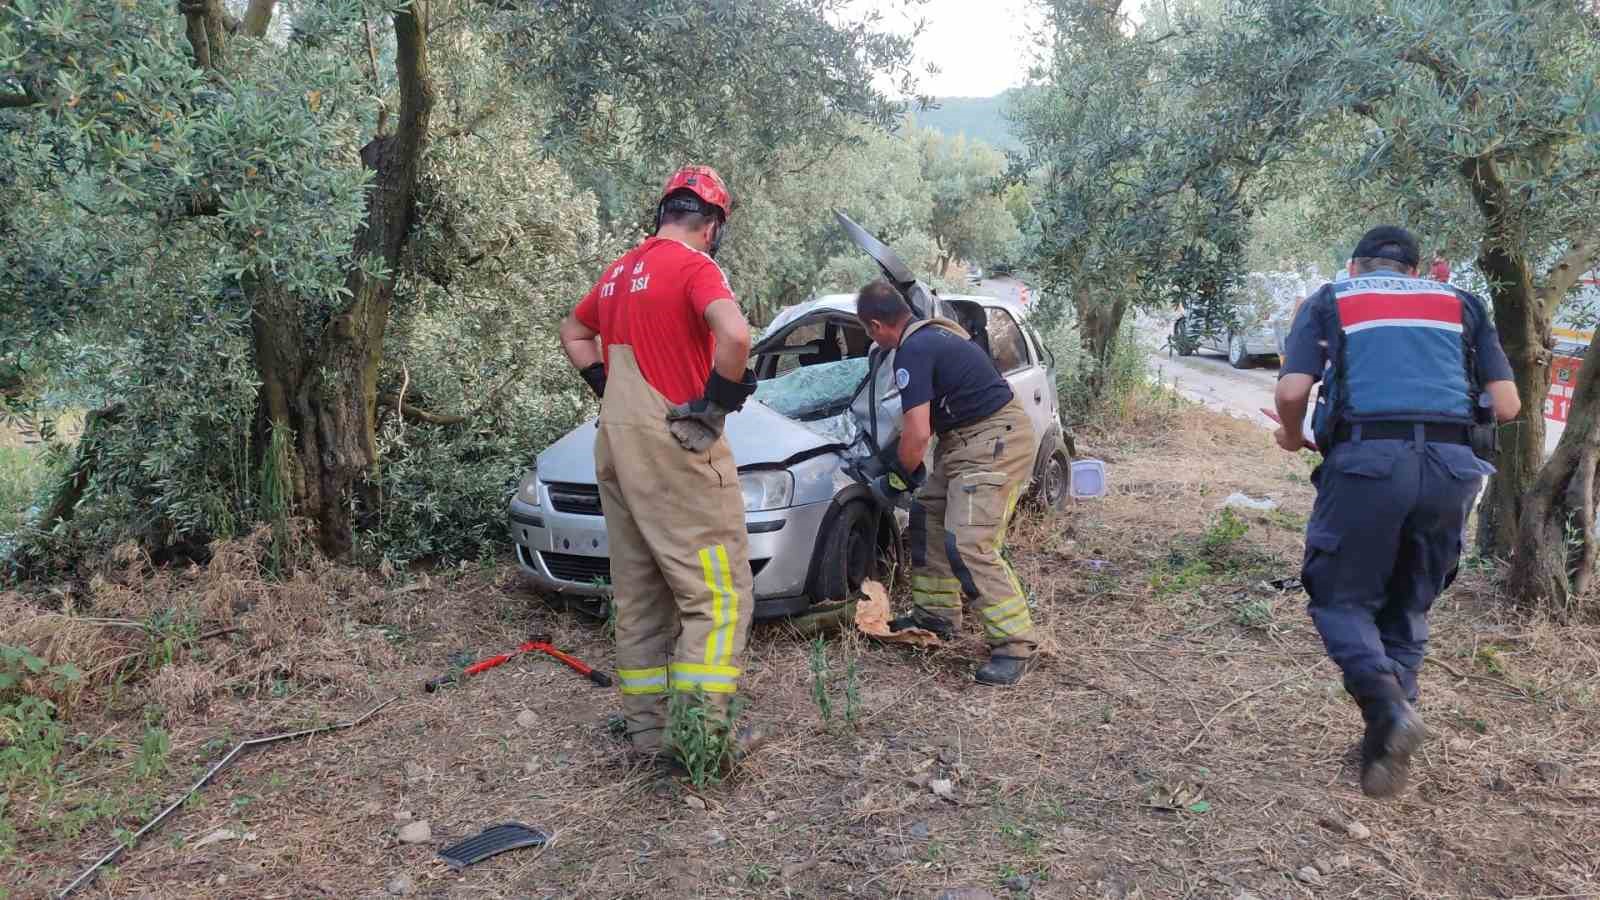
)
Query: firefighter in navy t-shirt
[
  {"x": 1412, "y": 372},
  {"x": 949, "y": 387}
]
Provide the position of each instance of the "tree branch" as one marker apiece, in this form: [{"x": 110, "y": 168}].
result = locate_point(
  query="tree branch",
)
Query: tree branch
[
  {"x": 17, "y": 101},
  {"x": 473, "y": 124},
  {"x": 422, "y": 416},
  {"x": 1446, "y": 72},
  {"x": 205, "y": 25},
  {"x": 411, "y": 68},
  {"x": 1489, "y": 190},
  {"x": 1570, "y": 267}
]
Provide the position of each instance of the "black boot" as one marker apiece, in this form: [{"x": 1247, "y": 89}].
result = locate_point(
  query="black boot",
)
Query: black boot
[
  {"x": 919, "y": 619},
  {"x": 1394, "y": 731},
  {"x": 1004, "y": 670}
]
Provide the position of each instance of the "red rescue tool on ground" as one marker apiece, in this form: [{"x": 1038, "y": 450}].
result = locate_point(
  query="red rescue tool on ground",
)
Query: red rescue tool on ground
[{"x": 539, "y": 643}]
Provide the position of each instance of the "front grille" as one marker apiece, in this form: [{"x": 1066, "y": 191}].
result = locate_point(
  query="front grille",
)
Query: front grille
[
  {"x": 578, "y": 499},
  {"x": 587, "y": 569}
]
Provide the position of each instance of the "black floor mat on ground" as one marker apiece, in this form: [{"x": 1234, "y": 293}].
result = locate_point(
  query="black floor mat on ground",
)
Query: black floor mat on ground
[{"x": 491, "y": 841}]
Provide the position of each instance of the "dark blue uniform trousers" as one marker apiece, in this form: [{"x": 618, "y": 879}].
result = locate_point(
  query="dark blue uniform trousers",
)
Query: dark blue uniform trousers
[{"x": 1384, "y": 540}]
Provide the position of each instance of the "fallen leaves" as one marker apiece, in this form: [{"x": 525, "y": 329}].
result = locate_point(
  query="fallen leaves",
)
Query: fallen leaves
[{"x": 872, "y": 618}]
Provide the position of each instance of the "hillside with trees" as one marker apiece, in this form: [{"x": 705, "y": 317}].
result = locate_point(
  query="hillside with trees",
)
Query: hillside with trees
[{"x": 984, "y": 119}]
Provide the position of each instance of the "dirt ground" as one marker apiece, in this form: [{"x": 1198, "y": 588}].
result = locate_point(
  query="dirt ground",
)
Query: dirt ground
[{"x": 1184, "y": 736}]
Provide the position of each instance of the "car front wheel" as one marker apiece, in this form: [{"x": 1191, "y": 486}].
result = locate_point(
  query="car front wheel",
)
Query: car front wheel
[
  {"x": 848, "y": 554},
  {"x": 1056, "y": 485}
]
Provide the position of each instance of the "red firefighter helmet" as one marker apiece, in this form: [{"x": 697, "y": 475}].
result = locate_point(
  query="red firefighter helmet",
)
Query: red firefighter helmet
[{"x": 703, "y": 182}]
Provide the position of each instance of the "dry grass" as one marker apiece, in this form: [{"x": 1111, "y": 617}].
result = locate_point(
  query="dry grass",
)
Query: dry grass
[{"x": 1177, "y": 676}]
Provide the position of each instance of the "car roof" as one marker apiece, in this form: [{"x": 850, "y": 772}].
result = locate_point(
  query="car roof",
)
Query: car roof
[{"x": 846, "y": 304}]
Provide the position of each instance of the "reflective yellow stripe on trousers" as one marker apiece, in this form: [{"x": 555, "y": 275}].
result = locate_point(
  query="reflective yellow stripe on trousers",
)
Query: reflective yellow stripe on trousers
[
  {"x": 1007, "y": 617},
  {"x": 643, "y": 681},
  {"x": 934, "y": 591},
  {"x": 724, "y": 605},
  {"x": 711, "y": 679}
]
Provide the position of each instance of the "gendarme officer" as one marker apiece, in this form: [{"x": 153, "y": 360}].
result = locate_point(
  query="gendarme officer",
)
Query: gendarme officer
[{"x": 1415, "y": 378}]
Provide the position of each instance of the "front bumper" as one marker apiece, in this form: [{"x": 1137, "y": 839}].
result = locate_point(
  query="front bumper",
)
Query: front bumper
[{"x": 568, "y": 552}]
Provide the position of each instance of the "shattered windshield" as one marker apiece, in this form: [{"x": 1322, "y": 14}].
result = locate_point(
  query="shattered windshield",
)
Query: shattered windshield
[{"x": 813, "y": 392}]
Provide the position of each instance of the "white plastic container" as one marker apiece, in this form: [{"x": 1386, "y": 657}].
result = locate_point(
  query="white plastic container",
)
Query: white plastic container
[{"x": 1088, "y": 479}]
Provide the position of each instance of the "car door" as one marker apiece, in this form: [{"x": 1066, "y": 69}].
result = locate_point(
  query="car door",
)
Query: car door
[{"x": 1029, "y": 380}]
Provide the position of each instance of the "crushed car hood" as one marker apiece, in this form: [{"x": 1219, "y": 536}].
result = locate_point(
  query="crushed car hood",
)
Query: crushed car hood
[{"x": 757, "y": 435}]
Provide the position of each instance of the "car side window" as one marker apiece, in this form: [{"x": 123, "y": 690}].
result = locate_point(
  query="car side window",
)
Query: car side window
[
  {"x": 1038, "y": 347},
  {"x": 1006, "y": 341},
  {"x": 800, "y": 346}
]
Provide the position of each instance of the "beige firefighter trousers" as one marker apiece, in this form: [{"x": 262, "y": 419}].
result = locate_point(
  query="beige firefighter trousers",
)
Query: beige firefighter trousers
[
  {"x": 958, "y": 527},
  {"x": 680, "y": 558}
]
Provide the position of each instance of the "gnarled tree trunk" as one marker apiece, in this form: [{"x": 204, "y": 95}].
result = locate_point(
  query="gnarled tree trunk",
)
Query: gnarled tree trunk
[
  {"x": 327, "y": 393},
  {"x": 1554, "y": 563},
  {"x": 1099, "y": 329},
  {"x": 1522, "y": 316},
  {"x": 323, "y": 386},
  {"x": 1524, "y": 326},
  {"x": 1557, "y": 545}
]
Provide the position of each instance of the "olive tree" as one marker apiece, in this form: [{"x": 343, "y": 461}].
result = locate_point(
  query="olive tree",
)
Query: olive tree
[
  {"x": 246, "y": 237},
  {"x": 1142, "y": 142},
  {"x": 1478, "y": 123}
]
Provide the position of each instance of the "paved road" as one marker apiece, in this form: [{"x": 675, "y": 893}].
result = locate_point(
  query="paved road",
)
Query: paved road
[{"x": 1207, "y": 378}]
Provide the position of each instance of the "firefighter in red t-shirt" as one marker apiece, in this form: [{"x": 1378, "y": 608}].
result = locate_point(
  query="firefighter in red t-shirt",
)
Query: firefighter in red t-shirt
[{"x": 669, "y": 367}]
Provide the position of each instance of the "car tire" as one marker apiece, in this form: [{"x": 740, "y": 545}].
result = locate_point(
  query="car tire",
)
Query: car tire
[
  {"x": 848, "y": 553},
  {"x": 1055, "y": 482},
  {"x": 1180, "y": 340},
  {"x": 1238, "y": 353}
]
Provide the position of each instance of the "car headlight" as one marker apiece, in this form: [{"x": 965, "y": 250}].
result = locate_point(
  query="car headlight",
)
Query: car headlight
[
  {"x": 528, "y": 489},
  {"x": 766, "y": 489}
]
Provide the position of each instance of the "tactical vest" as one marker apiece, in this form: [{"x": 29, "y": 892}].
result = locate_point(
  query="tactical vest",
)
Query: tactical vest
[
  {"x": 937, "y": 322},
  {"x": 1400, "y": 352}
]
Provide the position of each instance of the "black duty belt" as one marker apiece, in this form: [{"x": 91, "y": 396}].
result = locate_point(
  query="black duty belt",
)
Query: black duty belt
[{"x": 1433, "y": 432}]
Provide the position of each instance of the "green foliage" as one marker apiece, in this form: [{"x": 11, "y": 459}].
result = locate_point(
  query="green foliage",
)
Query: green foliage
[
  {"x": 701, "y": 736},
  {"x": 151, "y": 762},
  {"x": 1225, "y": 531},
  {"x": 820, "y": 670},
  {"x": 969, "y": 220},
  {"x": 170, "y": 633},
  {"x": 1178, "y": 574},
  {"x": 852, "y": 689},
  {"x": 24, "y": 472},
  {"x": 31, "y": 733},
  {"x": 152, "y": 213},
  {"x": 33, "y": 740},
  {"x": 1143, "y": 140},
  {"x": 828, "y": 685},
  {"x": 1123, "y": 382},
  {"x": 1257, "y": 613},
  {"x": 20, "y": 669}
]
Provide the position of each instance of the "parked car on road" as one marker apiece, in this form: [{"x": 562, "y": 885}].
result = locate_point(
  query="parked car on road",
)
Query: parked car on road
[
  {"x": 1262, "y": 313},
  {"x": 825, "y": 396}
]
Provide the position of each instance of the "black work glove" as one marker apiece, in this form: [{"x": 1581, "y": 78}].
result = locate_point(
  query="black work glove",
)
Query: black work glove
[
  {"x": 698, "y": 423},
  {"x": 897, "y": 484},
  {"x": 595, "y": 375}
]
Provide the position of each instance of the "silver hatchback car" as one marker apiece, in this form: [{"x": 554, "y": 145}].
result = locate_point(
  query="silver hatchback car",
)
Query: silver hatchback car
[{"x": 825, "y": 397}]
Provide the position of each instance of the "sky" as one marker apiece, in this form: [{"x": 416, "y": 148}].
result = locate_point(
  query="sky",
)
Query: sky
[{"x": 981, "y": 46}]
